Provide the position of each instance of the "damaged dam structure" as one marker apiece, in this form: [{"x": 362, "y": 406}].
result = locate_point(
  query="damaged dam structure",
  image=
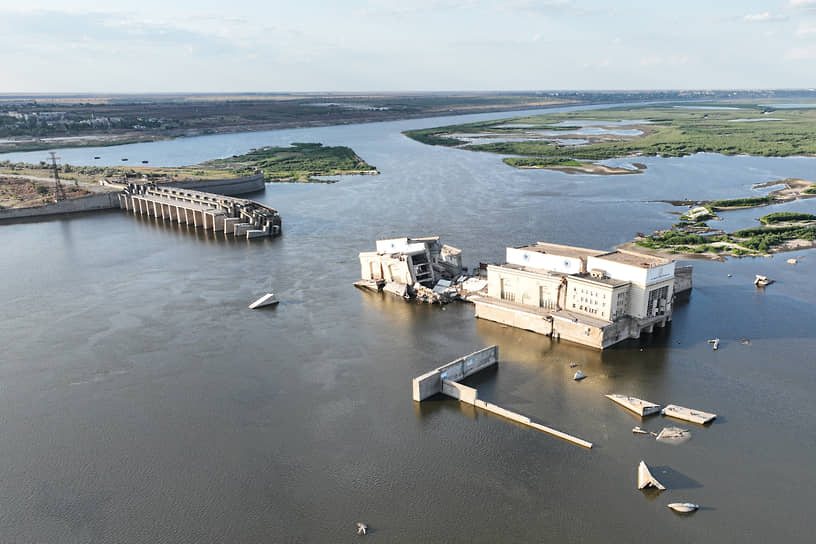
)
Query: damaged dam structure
[
  {"x": 591, "y": 297},
  {"x": 231, "y": 215}
]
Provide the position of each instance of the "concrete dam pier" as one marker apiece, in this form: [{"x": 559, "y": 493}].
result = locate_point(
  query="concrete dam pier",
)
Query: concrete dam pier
[{"x": 236, "y": 216}]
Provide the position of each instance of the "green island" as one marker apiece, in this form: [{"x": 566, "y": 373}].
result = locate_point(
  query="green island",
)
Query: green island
[
  {"x": 29, "y": 185},
  {"x": 671, "y": 130},
  {"x": 300, "y": 162},
  {"x": 781, "y": 231}
]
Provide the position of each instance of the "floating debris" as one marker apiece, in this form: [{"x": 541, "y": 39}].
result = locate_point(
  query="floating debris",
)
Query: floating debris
[
  {"x": 362, "y": 528},
  {"x": 579, "y": 376},
  {"x": 684, "y": 507},
  {"x": 638, "y": 406},
  {"x": 716, "y": 342},
  {"x": 792, "y": 261},
  {"x": 687, "y": 414},
  {"x": 729, "y": 275},
  {"x": 745, "y": 342},
  {"x": 268, "y": 299},
  {"x": 645, "y": 478},
  {"x": 573, "y": 365},
  {"x": 640, "y": 430},
  {"x": 674, "y": 435},
  {"x": 371, "y": 285},
  {"x": 762, "y": 281}
]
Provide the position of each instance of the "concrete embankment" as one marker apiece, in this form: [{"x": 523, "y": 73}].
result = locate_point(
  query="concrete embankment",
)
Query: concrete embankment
[
  {"x": 99, "y": 201},
  {"x": 109, "y": 200},
  {"x": 226, "y": 187}
]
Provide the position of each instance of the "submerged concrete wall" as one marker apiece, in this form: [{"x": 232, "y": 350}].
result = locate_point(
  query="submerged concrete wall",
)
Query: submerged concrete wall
[
  {"x": 431, "y": 383},
  {"x": 442, "y": 380},
  {"x": 98, "y": 201}
]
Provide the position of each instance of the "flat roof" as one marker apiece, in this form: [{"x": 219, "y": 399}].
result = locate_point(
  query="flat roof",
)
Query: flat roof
[
  {"x": 632, "y": 258},
  {"x": 532, "y": 270},
  {"x": 561, "y": 251},
  {"x": 611, "y": 282}
]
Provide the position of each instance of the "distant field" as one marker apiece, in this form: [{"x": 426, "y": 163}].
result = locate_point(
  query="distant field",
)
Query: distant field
[
  {"x": 28, "y": 122},
  {"x": 668, "y": 131}
]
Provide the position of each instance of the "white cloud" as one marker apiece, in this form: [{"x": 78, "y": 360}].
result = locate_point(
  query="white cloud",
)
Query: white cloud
[
  {"x": 802, "y": 3},
  {"x": 801, "y": 53},
  {"x": 657, "y": 60},
  {"x": 805, "y": 29},
  {"x": 761, "y": 17}
]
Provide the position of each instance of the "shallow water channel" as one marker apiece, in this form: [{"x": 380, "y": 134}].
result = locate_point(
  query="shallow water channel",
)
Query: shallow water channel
[{"x": 142, "y": 401}]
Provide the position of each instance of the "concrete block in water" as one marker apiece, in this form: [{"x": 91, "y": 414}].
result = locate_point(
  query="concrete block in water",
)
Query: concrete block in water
[
  {"x": 229, "y": 224},
  {"x": 430, "y": 383},
  {"x": 396, "y": 288},
  {"x": 460, "y": 392},
  {"x": 240, "y": 229}
]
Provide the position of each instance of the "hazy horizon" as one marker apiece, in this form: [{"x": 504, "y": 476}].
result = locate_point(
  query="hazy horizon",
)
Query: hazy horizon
[{"x": 387, "y": 46}]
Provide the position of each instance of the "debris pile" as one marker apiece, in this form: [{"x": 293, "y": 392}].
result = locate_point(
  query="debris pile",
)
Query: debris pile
[{"x": 418, "y": 269}]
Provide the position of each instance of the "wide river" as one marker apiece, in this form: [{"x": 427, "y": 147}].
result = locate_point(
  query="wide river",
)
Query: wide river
[{"x": 140, "y": 401}]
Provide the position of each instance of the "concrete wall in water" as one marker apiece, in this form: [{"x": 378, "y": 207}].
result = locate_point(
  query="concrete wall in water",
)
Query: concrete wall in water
[
  {"x": 432, "y": 382},
  {"x": 98, "y": 201},
  {"x": 682, "y": 278},
  {"x": 226, "y": 187}
]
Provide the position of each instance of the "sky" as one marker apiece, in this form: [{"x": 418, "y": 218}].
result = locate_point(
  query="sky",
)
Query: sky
[{"x": 92, "y": 46}]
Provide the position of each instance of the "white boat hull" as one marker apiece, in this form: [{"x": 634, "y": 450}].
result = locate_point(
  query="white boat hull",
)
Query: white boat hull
[{"x": 683, "y": 507}]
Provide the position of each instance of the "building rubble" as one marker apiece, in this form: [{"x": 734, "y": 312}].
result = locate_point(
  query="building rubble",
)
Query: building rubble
[{"x": 420, "y": 269}]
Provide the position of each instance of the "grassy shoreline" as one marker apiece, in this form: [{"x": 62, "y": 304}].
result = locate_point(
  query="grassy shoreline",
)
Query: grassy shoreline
[
  {"x": 665, "y": 131},
  {"x": 298, "y": 163},
  {"x": 780, "y": 231}
]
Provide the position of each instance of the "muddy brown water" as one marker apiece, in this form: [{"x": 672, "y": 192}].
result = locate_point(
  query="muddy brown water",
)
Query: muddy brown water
[{"x": 143, "y": 402}]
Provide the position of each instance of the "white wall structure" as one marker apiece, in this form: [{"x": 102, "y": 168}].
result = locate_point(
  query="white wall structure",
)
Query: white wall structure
[
  {"x": 583, "y": 295},
  {"x": 528, "y": 256}
]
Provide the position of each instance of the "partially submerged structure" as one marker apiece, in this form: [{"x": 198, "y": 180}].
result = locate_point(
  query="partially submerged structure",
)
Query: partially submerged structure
[
  {"x": 646, "y": 479},
  {"x": 236, "y": 216},
  {"x": 591, "y": 297},
  {"x": 411, "y": 260},
  {"x": 445, "y": 380},
  {"x": 411, "y": 267},
  {"x": 687, "y": 414},
  {"x": 639, "y": 406}
]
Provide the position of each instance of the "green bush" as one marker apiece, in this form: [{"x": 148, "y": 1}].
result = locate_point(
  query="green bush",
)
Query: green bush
[
  {"x": 740, "y": 202},
  {"x": 780, "y": 217}
]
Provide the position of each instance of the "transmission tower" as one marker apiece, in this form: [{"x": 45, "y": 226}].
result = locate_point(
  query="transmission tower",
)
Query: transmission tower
[{"x": 59, "y": 193}]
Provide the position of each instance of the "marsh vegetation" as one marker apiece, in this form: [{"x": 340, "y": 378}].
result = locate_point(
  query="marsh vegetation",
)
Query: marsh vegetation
[{"x": 673, "y": 130}]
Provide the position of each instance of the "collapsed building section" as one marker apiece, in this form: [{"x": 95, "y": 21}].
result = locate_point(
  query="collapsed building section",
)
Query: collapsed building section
[
  {"x": 419, "y": 268},
  {"x": 591, "y": 297},
  {"x": 236, "y": 216}
]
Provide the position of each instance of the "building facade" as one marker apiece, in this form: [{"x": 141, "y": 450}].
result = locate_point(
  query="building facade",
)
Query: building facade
[{"x": 587, "y": 296}]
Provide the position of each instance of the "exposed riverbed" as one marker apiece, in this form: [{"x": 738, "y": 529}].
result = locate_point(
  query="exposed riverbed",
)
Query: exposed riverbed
[{"x": 143, "y": 402}]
